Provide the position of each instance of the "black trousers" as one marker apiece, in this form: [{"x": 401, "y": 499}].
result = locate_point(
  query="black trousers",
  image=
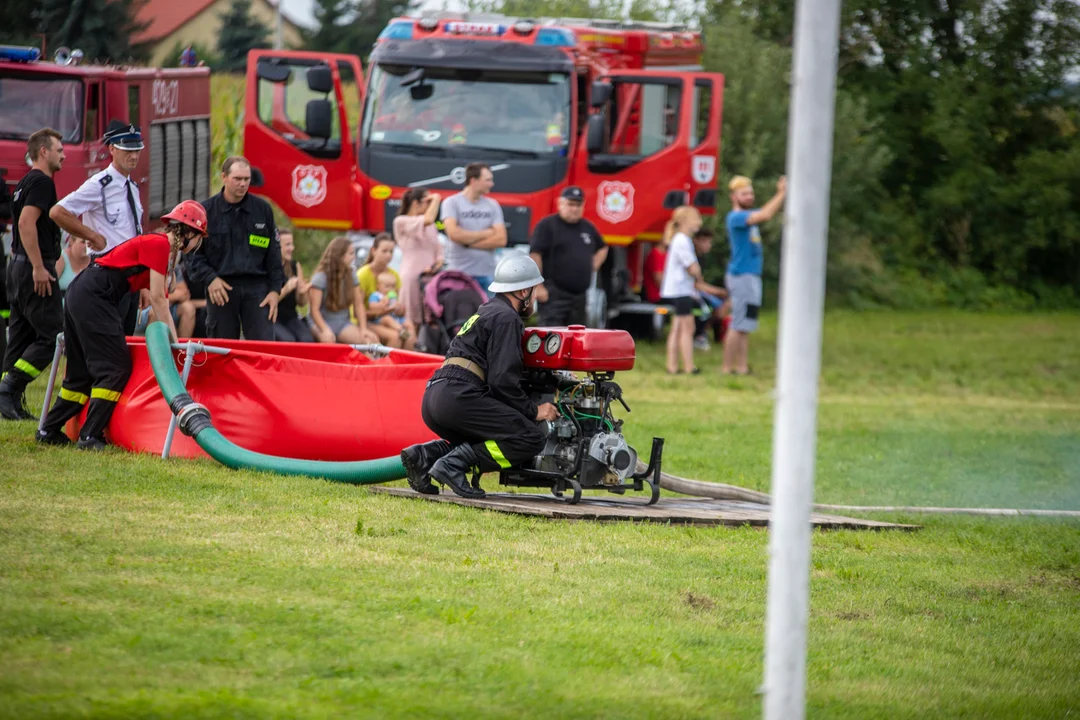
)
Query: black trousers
[
  {"x": 98, "y": 363},
  {"x": 292, "y": 330},
  {"x": 562, "y": 308},
  {"x": 241, "y": 312},
  {"x": 5, "y": 308},
  {"x": 34, "y": 323},
  {"x": 463, "y": 410}
]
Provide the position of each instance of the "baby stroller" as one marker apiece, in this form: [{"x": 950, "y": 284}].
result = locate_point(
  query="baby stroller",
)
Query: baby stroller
[{"x": 450, "y": 298}]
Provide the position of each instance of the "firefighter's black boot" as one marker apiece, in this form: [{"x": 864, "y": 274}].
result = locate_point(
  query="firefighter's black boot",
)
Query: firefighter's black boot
[
  {"x": 12, "y": 402},
  {"x": 418, "y": 460},
  {"x": 52, "y": 437},
  {"x": 452, "y": 467}
]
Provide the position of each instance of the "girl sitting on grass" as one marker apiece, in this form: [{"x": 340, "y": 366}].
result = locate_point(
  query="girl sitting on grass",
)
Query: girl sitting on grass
[{"x": 334, "y": 290}]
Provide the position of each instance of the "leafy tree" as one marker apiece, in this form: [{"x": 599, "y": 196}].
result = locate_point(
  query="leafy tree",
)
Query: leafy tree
[
  {"x": 971, "y": 100},
  {"x": 102, "y": 29},
  {"x": 352, "y": 26},
  {"x": 754, "y": 143},
  {"x": 334, "y": 19},
  {"x": 240, "y": 33}
]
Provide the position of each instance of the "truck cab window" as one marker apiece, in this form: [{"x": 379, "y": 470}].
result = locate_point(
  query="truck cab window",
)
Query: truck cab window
[
  {"x": 643, "y": 117},
  {"x": 350, "y": 91},
  {"x": 703, "y": 91},
  {"x": 31, "y": 102},
  {"x": 284, "y": 108},
  {"x": 495, "y": 110},
  {"x": 93, "y": 99}
]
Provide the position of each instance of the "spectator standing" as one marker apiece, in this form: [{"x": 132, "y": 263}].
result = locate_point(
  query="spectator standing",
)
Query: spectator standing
[
  {"x": 240, "y": 262},
  {"x": 713, "y": 304},
  {"x": 743, "y": 277},
  {"x": 682, "y": 283},
  {"x": 422, "y": 254},
  {"x": 289, "y": 327},
  {"x": 475, "y": 225},
  {"x": 653, "y": 276},
  {"x": 377, "y": 263},
  {"x": 33, "y": 290},
  {"x": 334, "y": 289},
  {"x": 109, "y": 206},
  {"x": 568, "y": 249}
]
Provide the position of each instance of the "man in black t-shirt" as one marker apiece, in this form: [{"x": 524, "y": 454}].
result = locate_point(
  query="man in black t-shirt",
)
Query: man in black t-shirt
[
  {"x": 37, "y": 311},
  {"x": 568, "y": 249}
]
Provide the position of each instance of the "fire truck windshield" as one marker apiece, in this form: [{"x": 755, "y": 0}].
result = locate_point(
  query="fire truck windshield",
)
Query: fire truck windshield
[
  {"x": 31, "y": 102},
  {"x": 511, "y": 112}
]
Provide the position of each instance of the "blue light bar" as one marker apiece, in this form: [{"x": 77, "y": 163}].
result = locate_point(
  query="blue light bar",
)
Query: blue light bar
[
  {"x": 556, "y": 37},
  {"x": 400, "y": 30},
  {"x": 15, "y": 53}
]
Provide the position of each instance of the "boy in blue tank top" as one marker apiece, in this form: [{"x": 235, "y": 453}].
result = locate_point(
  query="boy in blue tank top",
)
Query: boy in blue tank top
[{"x": 743, "y": 276}]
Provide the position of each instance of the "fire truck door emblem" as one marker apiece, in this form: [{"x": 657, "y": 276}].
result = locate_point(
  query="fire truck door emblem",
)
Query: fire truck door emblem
[
  {"x": 703, "y": 168},
  {"x": 615, "y": 201},
  {"x": 309, "y": 184}
]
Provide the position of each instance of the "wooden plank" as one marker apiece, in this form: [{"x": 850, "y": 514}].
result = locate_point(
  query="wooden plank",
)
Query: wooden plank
[{"x": 674, "y": 510}]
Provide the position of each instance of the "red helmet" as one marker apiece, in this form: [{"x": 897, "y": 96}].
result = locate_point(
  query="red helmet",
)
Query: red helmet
[{"x": 189, "y": 213}]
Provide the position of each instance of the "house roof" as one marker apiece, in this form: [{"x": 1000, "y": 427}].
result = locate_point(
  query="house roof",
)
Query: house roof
[{"x": 166, "y": 16}]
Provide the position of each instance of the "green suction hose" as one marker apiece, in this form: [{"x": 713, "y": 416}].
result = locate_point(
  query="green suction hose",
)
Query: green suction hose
[{"x": 195, "y": 422}]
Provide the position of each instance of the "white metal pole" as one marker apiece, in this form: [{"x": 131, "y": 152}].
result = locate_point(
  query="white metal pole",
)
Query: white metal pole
[{"x": 802, "y": 296}]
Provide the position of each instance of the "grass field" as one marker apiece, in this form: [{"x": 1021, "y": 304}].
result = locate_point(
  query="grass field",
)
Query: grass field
[{"x": 130, "y": 587}]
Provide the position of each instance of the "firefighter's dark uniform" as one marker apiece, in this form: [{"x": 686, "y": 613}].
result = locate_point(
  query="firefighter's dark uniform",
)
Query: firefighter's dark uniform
[
  {"x": 5, "y": 308},
  {"x": 242, "y": 249},
  {"x": 98, "y": 363},
  {"x": 34, "y": 321},
  {"x": 493, "y": 414}
]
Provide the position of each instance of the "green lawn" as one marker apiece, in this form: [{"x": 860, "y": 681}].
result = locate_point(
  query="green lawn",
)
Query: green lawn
[{"x": 130, "y": 587}]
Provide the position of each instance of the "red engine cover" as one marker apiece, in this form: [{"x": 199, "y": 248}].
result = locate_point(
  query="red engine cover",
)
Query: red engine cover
[{"x": 578, "y": 348}]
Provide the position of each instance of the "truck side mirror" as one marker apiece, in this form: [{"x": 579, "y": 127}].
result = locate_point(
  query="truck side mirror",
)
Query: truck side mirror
[
  {"x": 319, "y": 79},
  {"x": 594, "y": 134},
  {"x": 317, "y": 119},
  {"x": 270, "y": 69},
  {"x": 257, "y": 178},
  {"x": 599, "y": 94}
]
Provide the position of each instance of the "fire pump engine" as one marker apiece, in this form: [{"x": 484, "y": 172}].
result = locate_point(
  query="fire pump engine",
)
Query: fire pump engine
[
  {"x": 620, "y": 109},
  {"x": 170, "y": 106}
]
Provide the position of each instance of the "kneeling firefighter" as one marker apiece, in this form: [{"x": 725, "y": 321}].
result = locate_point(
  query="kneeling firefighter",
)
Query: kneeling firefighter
[
  {"x": 98, "y": 364},
  {"x": 475, "y": 401}
]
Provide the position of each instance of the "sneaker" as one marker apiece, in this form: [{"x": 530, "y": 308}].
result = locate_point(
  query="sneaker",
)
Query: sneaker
[
  {"x": 701, "y": 343},
  {"x": 91, "y": 443},
  {"x": 53, "y": 437}
]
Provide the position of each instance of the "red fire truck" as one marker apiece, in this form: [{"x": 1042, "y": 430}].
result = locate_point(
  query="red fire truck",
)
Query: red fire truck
[
  {"x": 172, "y": 108},
  {"x": 620, "y": 109}
]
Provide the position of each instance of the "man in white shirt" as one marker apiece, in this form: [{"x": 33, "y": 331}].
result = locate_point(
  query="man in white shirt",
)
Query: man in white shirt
[{"x": 108, "y": 203}]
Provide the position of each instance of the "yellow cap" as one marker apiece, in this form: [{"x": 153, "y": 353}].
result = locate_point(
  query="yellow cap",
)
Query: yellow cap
[{"x": 739, "y": 182}]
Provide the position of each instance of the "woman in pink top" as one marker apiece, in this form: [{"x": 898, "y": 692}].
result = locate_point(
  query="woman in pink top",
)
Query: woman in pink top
[{"x": 414, "y": 230}]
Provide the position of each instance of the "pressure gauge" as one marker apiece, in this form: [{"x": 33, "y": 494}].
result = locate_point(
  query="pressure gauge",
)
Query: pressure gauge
[
  {"x": 533, "y": 343},
  {"x": 553, "y": 343}
]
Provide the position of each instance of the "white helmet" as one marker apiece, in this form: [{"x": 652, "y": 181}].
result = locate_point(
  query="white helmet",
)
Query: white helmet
[{"x": 516, "y": 271}]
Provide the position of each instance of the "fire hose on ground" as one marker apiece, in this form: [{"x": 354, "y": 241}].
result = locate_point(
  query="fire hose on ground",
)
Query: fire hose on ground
[{"x": 194, "y": 421}]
